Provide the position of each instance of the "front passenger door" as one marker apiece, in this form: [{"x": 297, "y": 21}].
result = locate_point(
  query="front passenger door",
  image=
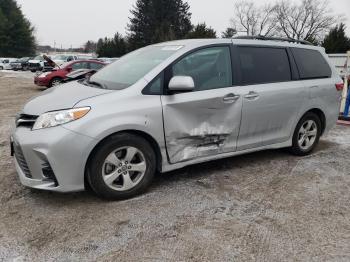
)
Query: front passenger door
[{"x": 206, "y": 121}]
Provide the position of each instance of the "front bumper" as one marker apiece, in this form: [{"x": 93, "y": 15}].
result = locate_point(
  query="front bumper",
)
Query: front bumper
[
  {"x": 15, "y": 67},
  {"x": 41, "y": 81},
  {"x": 61, "y": 151},
  {"x": 36, "y": 67}
]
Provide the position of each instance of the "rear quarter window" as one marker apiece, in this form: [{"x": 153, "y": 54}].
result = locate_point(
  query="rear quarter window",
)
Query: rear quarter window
[{"x": 311, "y": 64}]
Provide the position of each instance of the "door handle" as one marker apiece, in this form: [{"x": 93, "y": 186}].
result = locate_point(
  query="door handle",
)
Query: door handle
[
  {"x": 312, "y": 87},
  {"x": 252, "y": 95},
  {"x": 230, "y": 98}
]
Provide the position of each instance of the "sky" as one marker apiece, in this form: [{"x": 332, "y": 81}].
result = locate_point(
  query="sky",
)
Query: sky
[{"x": 73, "y": 22}]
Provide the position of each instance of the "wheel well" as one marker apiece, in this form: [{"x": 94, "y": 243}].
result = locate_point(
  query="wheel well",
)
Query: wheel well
[
  {"x": 56, "y": 77},
  {"x": 321, "y": 116},
  {"x": 142, "y": 134}
]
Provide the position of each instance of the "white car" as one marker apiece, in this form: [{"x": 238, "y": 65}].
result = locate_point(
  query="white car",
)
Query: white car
[
  {"x": 37, "y": 64},
  {"x": 62, "y": 59},
  {"x": 5, "y": 63}
]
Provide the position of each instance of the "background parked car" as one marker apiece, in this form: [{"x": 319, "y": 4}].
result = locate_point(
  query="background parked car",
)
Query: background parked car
[
  {"x": 37, "y": 64},
  {"x": 5, "y": 63},
  {"x": 107, "y": 60},
  {"x": 20, "y": 64},
  {"x": 57, "y": 75},
  {"x": 63, "y": 58},
  {"x": 86, "y": 57}
]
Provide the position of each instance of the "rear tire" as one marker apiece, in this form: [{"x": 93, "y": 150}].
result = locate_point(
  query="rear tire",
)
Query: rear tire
[
  {"x": 306, "y": 135},
  {"x": 122, "y": 167}
]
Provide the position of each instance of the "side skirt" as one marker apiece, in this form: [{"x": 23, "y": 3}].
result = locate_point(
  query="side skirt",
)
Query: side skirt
[{"x": 171, "y": 167}]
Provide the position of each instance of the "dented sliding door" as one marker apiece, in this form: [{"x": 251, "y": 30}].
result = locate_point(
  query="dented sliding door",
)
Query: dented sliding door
[{"x": 203, "y": 123}]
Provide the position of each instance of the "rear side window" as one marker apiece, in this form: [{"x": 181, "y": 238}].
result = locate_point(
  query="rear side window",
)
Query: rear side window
[
  {"x": 96, "y": 66},
  {"x": 311, "y": 64},
  {"x": 261, "y": 65}
]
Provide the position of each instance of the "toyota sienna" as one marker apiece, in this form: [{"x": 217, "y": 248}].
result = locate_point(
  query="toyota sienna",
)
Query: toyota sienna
[{"x": 174, "y": 104}]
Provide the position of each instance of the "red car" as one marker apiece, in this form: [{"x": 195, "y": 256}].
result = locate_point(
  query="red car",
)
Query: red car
[{"x": 56, "y": 76}]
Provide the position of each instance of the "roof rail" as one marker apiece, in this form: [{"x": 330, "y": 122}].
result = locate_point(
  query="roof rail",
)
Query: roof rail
[{"x": 260, "y": 37}]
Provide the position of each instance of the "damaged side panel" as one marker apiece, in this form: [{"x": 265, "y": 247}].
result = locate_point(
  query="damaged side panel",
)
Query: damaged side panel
[{"x": 200, "y": 124}]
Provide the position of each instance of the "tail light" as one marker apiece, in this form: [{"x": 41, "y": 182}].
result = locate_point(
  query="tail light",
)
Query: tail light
[{"x": 339, "y": 86}]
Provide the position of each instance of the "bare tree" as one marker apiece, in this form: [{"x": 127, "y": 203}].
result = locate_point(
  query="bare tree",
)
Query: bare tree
[
  {"x": 253, "y": 19},
  {"x": 308, "y": 20}
]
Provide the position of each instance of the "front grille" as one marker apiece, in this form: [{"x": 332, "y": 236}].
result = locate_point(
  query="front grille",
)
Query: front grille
[
  {"x": 24, "y": 120},
  {"x": 34, "y": 65},
  {"x": 21, "y": 160}
]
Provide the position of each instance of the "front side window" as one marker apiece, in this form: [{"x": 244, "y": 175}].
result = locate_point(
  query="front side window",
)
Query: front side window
[
  {"x": 155, "y": 87},
  {"x": 311, "y": 64},
  {"x": 261, "y": 65},
  {"x": 132, "y": 67},
  {"x": 210, "y": 68}
]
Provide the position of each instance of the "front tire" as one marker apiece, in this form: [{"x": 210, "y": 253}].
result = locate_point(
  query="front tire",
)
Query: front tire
[
  {"x": 122, "y": 167},
  {"x": 55, "y": 82},
  {"x": 306, "y": 135}
]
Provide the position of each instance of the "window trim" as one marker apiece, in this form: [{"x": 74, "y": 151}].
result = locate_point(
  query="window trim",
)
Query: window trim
[
  {"x": 271, "y": 47},
  {"x": 298, "y": 67}
]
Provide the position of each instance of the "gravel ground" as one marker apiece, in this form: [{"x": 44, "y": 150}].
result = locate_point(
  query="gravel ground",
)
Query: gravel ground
[{"x": 266, "y": 206}]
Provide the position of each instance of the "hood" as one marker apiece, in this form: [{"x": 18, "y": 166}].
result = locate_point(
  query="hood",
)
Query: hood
[
  {"x": 34, "y": 61},
  {"x": 61, "y": 97}
]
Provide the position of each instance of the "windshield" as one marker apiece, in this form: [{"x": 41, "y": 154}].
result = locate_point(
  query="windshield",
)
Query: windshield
[
  {"x": 130, "y": 68},
  {"x": 60, "y": 57},
  {"x": 39, "y": 57},
  {"x": 23, "y": 59}
]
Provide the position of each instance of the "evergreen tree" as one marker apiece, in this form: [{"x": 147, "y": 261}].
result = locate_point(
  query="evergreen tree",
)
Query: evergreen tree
[
  {"x": 201, "y": 31},
  {"x": 229, "y": 32},
  {"x": 336, "y": 41},
  {"x": 156, "y": 21},
  {"x": 112, "y": 47},
  {"x": 90, "y": 47},
  {"x": 16, "y": 33}
]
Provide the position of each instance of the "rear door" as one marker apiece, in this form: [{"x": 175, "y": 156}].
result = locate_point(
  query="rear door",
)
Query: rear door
[
  {"x": 272, "y": 98},
  {"x": 206, "y": 121}
]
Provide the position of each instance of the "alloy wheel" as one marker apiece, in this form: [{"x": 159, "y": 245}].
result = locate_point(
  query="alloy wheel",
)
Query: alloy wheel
[
  {"x": 124, "y": 168},
  {"x": 56, "y": 82},
  {"x": 307, "y": 134}
]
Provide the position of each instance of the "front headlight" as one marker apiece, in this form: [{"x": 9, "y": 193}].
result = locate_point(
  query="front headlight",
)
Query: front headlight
[
  {"x": 42, "y": 75},
  {"x": 61, "y": 117}
]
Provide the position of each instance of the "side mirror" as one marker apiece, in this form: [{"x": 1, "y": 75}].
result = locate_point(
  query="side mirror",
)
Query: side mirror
[
  {"x": 69, "y": 69},
  {"x": 181, "y": 84}
]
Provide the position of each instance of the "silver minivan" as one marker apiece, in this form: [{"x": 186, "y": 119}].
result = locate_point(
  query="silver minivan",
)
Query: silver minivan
[{"x": 174, "y": 104}]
